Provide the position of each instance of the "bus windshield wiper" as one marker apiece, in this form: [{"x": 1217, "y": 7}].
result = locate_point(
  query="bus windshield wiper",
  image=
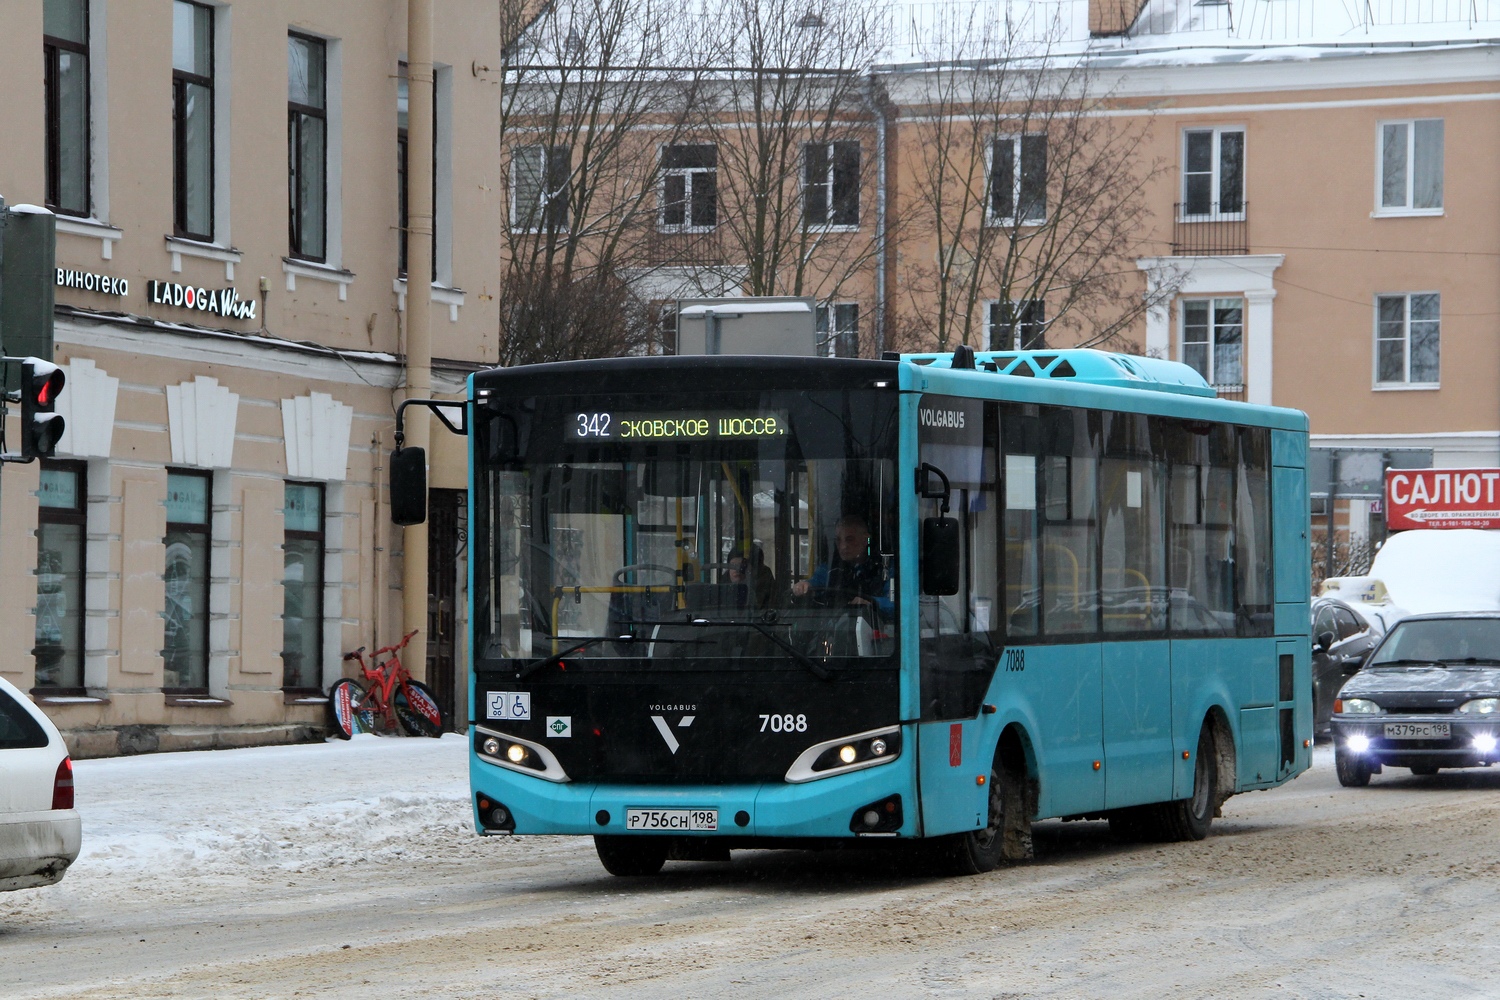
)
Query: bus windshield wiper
[
  {"x": 814, "y": 667},
  {"x": 584, "y": 643}
]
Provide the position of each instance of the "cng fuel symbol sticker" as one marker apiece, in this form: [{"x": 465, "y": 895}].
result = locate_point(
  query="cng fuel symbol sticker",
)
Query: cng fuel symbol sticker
[
  {"x": 559, "y": 725},
  {"x": 666, "y": 730}
]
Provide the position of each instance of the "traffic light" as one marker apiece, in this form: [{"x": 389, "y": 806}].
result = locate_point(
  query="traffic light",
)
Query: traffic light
[{"x": 41, "y": 382}]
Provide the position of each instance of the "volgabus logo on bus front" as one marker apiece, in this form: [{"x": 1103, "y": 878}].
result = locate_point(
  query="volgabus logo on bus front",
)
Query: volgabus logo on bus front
[{"x": 1442, "y": 498}]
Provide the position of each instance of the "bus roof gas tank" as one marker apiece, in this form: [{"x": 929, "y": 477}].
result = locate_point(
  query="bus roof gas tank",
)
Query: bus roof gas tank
[
  {"x": 1124, "y": 371},
  {"x": 762, "y": 325}
]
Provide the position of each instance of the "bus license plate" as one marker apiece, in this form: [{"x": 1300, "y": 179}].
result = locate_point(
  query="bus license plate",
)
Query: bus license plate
[
  {"x": 1416, "y": 730},
  {"x": 673, "y": 820}
]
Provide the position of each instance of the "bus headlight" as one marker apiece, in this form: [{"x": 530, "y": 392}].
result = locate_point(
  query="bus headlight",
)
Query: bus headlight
[
  {"x": 849, "y": 753},
  {"x": 516, "y": 754}
]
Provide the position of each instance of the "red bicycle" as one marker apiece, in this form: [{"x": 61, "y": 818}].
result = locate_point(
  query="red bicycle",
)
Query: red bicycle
[{"x": 392, "y": 698}]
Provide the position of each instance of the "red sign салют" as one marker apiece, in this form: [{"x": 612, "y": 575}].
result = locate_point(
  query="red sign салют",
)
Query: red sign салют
[{"x": 1442, "y": 498}]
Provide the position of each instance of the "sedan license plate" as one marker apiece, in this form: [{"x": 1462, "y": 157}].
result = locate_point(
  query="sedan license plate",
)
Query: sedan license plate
[
  {"x": 1416, "y": 730},
  {"x": 673, "y": 820}
]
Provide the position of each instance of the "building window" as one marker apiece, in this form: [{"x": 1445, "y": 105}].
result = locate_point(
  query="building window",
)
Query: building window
[
  {"x": 1018, "y": 180},
  {"x": 1213, "y": 339},
  {"x": 838, "y": 328},
  {"x": 302, "y": 588},
  {"x": 192, "y": 120},
  {"x": 1406, "y": 339},
  {"x": 1017, "y": 326},
  {"x": 186, "y": 652},
  {"x": 830, "y": 184},
  {"x": 307, "y": 146},
  {"x": 1213, "y": 173},
  {"x": 689, "y": 188},
  {"x": 1411, "y": 166},
  {"x": 539, "y": 178},
  {"x": 60, "y": 546},
  {"x": 403, "y": 196},
  {"x": 65, "y": 33}
]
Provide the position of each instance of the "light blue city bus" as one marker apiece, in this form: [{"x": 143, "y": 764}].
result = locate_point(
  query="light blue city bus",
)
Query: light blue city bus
[{"x": 746, "y": 602}]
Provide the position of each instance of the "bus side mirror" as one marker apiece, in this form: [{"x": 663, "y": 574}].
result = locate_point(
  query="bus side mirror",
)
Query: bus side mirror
[
  {"x": 941, "y": 550},
  {"x": 409, "y": 485}
]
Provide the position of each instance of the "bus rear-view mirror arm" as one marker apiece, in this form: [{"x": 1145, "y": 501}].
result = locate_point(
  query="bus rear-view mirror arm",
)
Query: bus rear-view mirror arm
[{"x": 409, "y": 465}]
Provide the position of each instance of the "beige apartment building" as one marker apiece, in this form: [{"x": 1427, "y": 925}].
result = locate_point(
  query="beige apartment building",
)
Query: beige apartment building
[
  {"x": 228, "y": 180},
  {"x": 1315, "y": 225}
]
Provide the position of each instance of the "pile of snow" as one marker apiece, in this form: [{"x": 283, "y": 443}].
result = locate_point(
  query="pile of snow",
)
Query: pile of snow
[{"x": 1440, "y": 570}]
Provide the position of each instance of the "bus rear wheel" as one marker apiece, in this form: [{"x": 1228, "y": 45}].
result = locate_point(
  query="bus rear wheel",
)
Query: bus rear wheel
[
  {"x": 1184, "y": 819},
  {"x": 631, "y": 856}
]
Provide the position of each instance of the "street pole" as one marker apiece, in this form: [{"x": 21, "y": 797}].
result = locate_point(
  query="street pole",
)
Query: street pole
[{"x": 414, "y": 583}]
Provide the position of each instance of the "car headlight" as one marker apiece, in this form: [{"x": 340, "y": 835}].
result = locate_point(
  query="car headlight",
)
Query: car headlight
[
  {"x": 1480, "y": 706},
  {"x": 1356, "y": 706}
]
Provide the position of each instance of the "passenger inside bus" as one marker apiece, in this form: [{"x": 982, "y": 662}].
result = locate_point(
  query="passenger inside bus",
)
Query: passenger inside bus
[
  {"x": 752, "y": 573},
  {"x": 856, "y": 575}
]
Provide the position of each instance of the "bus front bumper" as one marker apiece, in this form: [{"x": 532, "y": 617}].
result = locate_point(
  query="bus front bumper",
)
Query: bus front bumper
[{"x": 833, "y": 807}]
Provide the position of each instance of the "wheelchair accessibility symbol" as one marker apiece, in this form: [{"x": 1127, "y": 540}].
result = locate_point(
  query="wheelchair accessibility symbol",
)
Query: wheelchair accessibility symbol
[{"x": 509, "y": 705}]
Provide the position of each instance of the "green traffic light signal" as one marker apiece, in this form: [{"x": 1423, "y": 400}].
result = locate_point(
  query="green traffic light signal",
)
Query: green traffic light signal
[{"x": 41, "y": 428}]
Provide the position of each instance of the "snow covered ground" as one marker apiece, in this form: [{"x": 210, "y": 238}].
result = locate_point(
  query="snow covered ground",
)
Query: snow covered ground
[{"x": 258, "y": 811}]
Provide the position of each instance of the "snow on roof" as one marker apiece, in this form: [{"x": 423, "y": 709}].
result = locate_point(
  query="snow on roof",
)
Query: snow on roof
[{"x": 1431, "y": 570}]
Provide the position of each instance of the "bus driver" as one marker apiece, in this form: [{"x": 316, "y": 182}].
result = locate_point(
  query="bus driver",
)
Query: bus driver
[{"x": 855, "y": 570}]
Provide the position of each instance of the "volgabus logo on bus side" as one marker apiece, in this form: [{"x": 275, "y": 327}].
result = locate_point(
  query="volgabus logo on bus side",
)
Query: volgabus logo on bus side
[{"x": 224, "y": 302}]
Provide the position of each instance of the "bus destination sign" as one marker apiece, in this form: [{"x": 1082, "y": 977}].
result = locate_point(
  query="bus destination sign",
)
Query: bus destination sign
[{"x": 681, "y": 426}]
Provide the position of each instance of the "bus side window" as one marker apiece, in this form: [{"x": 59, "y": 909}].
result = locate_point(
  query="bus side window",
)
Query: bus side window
[
  {"x": 1133, "y": 595},
  {"x": 1253, "y": 535}
]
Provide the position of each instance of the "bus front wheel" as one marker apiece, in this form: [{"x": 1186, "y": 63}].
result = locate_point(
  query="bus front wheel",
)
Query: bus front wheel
[
  {"x": 1006, "y": 836},
  {"x": 631, "y": 856}
]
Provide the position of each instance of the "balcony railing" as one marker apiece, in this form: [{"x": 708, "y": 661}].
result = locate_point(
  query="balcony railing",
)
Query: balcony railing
[
  {"x": 686, "y": 249},
  {"x": 1210, "y": 234},
  {"x": 1235, "y": 392}
]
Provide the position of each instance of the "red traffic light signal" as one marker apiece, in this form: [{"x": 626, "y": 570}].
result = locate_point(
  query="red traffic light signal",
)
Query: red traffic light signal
[{"x": 41, "y": 429}]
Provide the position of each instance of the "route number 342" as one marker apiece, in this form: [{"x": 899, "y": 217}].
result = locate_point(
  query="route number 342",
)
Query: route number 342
[{"x": 783, "y": 723}]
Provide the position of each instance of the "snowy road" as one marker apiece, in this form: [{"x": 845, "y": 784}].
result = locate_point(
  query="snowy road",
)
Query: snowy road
[{"x": 350, "y": 870}]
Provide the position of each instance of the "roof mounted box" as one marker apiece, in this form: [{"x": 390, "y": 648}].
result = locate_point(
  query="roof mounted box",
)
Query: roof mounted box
[{"x": 775, "y": 325}]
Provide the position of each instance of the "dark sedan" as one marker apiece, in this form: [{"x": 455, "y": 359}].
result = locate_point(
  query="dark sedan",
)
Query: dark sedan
[
  {"x": 1427, "y": 698},
  {"x": 1342, "y": 638}
]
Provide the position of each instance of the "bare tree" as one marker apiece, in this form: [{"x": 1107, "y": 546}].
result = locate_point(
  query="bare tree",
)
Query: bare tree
[
  {"x": 1021, "y": 193},
  {"x": 788, "y": 111},
  {"x": 587, "y": 82}
]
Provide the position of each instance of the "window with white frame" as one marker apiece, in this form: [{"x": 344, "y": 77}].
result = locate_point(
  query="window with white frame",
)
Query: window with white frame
[
  {"x": 689, "y": 187},
  {"x": 307, "y": 147},
  {"x": 65, "y": 51},
  {"x": 1411, "y": 167},
  {"x": 838, "y": 329},
  {"x": 1019, "y": 325},
  {"x": 1018, "y": 180},
  {"x": 193, "y": 120},
  {"x": 1213, "y": 339},
  {"x": 539, "y": 178},
  {"x": 1407, "y": 333},
  {"x": 1213, "y": 172},
  {"x": 830, "y": 184}
]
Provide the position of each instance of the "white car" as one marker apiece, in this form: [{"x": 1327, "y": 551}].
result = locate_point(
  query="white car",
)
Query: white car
[{"x": 40, "y": 832}]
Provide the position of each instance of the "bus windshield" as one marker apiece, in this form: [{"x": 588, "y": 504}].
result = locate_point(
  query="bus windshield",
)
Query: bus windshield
[{"x": 686, "y": 532}]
